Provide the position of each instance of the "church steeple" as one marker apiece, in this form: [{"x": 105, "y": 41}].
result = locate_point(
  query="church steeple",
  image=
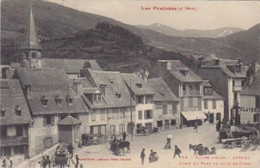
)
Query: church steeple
[{"x": 31, "y": 48}]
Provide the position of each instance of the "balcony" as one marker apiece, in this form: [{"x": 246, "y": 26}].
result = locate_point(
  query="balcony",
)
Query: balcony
[
  {"x": 191, "y": 93},
  {"x": 13, "y": 141}
]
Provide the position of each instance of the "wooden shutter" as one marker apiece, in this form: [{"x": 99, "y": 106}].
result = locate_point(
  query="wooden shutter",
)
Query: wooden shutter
[
  {"x": 44, "y": 120},
  {"x": 52, "y": 120}
]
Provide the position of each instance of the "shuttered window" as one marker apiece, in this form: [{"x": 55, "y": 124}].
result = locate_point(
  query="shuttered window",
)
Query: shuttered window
[{"x": 48, "y": 120}]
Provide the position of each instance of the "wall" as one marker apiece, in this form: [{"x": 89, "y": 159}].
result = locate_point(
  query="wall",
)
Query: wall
[
  {"x": 219, "y": 108},
  {"x": 143, "y": 107},
  {"x": 247, "y": 101},
  {"x": 221, "y": 84},
  {"x": 38, "y": 133}
]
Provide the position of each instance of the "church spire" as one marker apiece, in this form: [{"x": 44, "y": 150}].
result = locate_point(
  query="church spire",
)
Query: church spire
[
  {"x": 31, "y": 48},
  {"x": 33, "y": 38}
]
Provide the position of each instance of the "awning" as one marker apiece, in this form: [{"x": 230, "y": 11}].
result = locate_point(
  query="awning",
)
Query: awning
[{"x": 194, "y": 115}]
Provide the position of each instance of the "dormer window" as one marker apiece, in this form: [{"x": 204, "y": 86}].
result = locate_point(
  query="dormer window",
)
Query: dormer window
[
  {"x": 118, "y": 95},
  {"x": 44, "y": 100},
  {"x": 97, "y": 97},
  {"x": 69, "y": 99},
  {"x": 208, "y": 91},
  {"x": 103, "y": 88},
  {"x": 3, "y": 110},
  {"x": 184, "y": 71},
  {"x": 34, "y": 55},
  {"x": 58, "y": 99},
  {"x": 139, "y": 85},
  {"x": 18, "y": 110}
]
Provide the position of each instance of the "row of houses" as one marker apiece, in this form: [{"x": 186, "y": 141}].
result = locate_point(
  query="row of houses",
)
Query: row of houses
[{"x": 46, "y": 101}]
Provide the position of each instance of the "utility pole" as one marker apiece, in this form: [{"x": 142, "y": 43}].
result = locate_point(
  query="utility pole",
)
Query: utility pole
[
  {"x": 131, "y": 112},
  {"x": 68, "y": 97}
]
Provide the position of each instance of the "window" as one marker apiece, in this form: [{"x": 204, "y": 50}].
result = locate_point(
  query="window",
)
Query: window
[
  {"x": 93, "y": 115},
  {"x": 190, "y": 102},
  {"x": 33, "y": 54},
  {"x": 165, "y": 109},
  {"x": 103, "y": 88},
  {"x": 3, "y": 131},
  {"x": 116, "y": 113},
  {"x": 208, "y": 91},
  {"x": 173, "y": 122},
  {"x": 3, "y": 110},
  {"x": 19, "y": 130},
  {"x": 139, "y": 85},
  {"x": 44, "y": 100},
  {"x": 149, "y": 100},
  {"x": 205, "y": 104},
  {"x": 174, "y": 109},
  {"x": 102, "y": 114},
  {"x": 112, "y": 129},
  {"x": 140, "y": 99},
  {"x": 184, "y": 71},
  {"x": 214, "y": 104},
  {"x": 18, "y": 110},
  {"x": 148, "y": 114},
  {"x": 69, "y": 99},
  {"x": 48, "y": 120},
  {"x": 58, "y": 99},
  {"x": 183, "y": 87},
  {"x": 191, "y": 87},
  {"x": 96, "y": 97},
  {"x": 19, "y": 150},
  {"x": 235, "y": 96},
  {"x": 121, "y": 128},
  {"x": 122, "y": 112},
  {"x": 140, "y": 115},
  {"x": 118, "y": 95}
]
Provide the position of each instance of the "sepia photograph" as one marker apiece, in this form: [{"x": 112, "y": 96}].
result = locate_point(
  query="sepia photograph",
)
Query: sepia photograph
[{"x": 129, "y": 84}]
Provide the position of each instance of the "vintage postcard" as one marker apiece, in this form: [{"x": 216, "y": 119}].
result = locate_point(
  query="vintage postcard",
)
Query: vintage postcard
[{"x": 130, "y": 84}]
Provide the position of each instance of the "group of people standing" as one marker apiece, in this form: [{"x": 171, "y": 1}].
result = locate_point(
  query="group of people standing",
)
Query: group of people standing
[
  {"x": 154, "y": 156},
  {"x": 7, "y": 163}
]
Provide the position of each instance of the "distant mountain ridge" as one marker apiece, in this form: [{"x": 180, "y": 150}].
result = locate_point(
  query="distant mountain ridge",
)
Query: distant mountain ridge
[
  {"x": 53, "y": 20},
  {"x": 170, "y": 31}
]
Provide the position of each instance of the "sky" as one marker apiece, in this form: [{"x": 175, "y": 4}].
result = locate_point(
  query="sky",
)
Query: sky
[{"x": 202, "y": 15}]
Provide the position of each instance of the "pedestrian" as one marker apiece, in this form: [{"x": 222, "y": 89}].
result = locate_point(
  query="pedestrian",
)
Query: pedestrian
[
  {"x": 195, "y": 126},
  {"x": 142, "y": 156},
  {"x": 11, "y": 163},
  {"x": 124, "y": 136},
  {"x": 70, "y": 149},
  {"x": 218, "y": 126},
  {"x": 44, "y": 163},
  {"x": 77, "y": 161},
  {"x": 48, "y": 161},
  {"x": 177, "y": 151},
  {"x": 168, "y": 142},
  {"x": 4, "y": 163}
]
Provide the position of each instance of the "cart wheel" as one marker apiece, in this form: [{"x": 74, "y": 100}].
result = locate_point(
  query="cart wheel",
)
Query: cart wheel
[{"x": 233, "y": 145}]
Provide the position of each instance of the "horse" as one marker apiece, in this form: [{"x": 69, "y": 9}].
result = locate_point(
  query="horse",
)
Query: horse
[
  {"x": 124, "y": 144},
  {"x": 196, "y": 148}
]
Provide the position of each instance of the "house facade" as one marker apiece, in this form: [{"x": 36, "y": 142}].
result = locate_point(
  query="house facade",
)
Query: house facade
[
  {"x": 166, "y": 105},
  {"x": 212, "y": 103},
  {"x": 250, "y": 102},
  {"x": 50, "y": 102},
  {"x": 228, "y": 78},
  {"x": 187, "y": 86},
  {"x": 15, "y": 120},
  {"x": 109, "y": 100},
  {"x": 142, "y": 95}
]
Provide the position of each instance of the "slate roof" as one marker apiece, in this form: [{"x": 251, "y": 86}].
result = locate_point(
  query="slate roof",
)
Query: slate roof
[
  {"x": 214, "y": 96},
  {"x": 69, "y": 120},
  {"x": 135, "y": 81},
  {"x": 162, "y": 91},
  {"x": 12, "y": 96},
  {"x": 69, "y": 65},
  {"x": 176, "y": 65},
  {"x": 50, "y": 83},
  {"x": 254, "y": 88},
  {"x": 224, "y": 64},
  {"x": 114, "y": 85}
]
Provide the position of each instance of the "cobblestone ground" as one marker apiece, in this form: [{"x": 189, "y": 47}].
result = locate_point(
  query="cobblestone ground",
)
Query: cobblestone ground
[{"x": 101, "y": 156}]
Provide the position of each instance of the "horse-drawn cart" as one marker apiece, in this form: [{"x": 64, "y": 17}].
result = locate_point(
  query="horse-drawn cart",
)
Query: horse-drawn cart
[
  {"x": 61, "y": 156},
  {"x": 235, "y": 142}
]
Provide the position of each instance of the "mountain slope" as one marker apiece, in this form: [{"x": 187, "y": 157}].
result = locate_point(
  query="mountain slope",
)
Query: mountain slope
[
  {"x": 53, "y": 20},
  {"x": 169, "y": 31}
]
